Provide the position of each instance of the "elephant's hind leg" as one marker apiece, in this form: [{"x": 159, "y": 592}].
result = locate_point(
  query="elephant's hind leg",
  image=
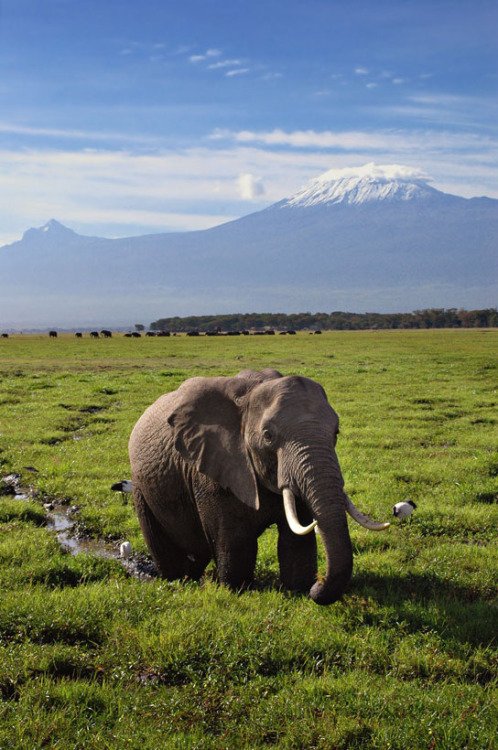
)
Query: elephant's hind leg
[{"x": 171, "y": 561}]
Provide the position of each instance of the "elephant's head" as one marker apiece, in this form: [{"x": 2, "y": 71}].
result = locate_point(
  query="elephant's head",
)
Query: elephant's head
[{"x": 262, "y": 429}]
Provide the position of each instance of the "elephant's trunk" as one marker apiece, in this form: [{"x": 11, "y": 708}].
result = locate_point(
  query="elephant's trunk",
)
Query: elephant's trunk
[{"x": 315, "y": 475}]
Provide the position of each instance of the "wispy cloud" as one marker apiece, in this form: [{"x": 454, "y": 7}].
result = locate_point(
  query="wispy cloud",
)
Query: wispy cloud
[
  {"x": 237, "y": 72},
  {"x": 75, "y": 134},
  {"x": 232, "y": 67},
  {"x": 364, "y": 141},
  {"x": 224, "y": 64},
  {"x": 185, "y": 188},
  {"x": 207, "y": 55},
  {"x": 443, "y": 108},
  {"x": 360, "y": 71}
]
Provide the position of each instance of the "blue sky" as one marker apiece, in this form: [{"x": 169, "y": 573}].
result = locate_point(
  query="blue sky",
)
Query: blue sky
[{"x": 123, "y": 117}]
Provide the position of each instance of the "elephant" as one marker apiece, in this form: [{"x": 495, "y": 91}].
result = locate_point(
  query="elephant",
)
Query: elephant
[{"x": 220, "y": 459}]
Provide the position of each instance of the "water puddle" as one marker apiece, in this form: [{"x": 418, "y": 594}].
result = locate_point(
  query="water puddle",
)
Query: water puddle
[{"x": 62, "y": 520}]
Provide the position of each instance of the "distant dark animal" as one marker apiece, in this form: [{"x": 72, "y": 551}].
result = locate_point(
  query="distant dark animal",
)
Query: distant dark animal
[
  {"x": 211, "y": 333},
  {"x": 128, "y": 335},
  {"x": 52, "y": 334},
  {"x": 282, "y": 333},
  {"x": 150, "y": 333},
  {"x": 5, "y": 335},
  {"x": 245, "y": 333},
  {"x": 78, "y": 335},
  {"x": 291, "y": 332},
  {"x": 193, "y": 333},
  {"x": 106, "y": 334},
  {"x": 136, "y": 335},
  {"x": 233, "y": 333},
  {"x": 163, "y": 333},
  {"x": 270, "y": 332},
  {"x": 94, "y": 334},
  {"x": 258, "y": 333},
  {"x": 316, "y": 332}
]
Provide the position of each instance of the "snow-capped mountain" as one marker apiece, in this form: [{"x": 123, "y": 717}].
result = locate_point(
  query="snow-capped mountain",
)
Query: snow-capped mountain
[
  {"x": 363, "y": 185},
  {"x": 377, "y": 238}
]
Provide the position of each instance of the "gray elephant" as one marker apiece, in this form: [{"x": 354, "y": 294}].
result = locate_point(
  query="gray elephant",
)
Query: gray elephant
[{"x": 219, "y": 460}]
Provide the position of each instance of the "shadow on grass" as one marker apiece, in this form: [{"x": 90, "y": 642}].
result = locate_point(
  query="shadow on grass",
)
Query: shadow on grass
[{"x": 425, "y": 602}]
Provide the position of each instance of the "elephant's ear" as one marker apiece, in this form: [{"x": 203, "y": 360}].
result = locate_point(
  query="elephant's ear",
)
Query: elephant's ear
[{"x": 207, "y": 427}]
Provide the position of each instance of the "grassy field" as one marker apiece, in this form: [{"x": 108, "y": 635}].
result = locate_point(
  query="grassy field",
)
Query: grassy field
[{"x": 93, "y": 658}]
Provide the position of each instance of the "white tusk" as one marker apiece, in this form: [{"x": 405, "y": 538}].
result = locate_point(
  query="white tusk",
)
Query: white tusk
[
  {"x": 362, "y": 519},
  {"x": 291, "y": 515}
]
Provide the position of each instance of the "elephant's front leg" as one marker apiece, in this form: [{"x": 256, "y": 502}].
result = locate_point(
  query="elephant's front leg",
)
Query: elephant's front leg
[
  {"x": 235, "y": 563},
  {"x": 230, "y": 529},
  {"x": 297, "y": 557}
]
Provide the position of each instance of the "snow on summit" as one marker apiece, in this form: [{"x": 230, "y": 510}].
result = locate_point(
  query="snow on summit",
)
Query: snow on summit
[{"x": 356, "y": 185}]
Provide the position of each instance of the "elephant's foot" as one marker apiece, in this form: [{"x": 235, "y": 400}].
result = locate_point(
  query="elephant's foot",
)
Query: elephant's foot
[
  {"x": 235, "y": 566},
  {"x": 195, "y": 566}
]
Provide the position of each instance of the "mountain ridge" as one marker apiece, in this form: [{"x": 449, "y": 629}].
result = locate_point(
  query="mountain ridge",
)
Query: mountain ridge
[{"x": 399, "y": 246}]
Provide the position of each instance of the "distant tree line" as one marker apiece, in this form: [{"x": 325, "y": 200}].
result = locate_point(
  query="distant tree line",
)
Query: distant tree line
[{"x": 334, "y": 321}]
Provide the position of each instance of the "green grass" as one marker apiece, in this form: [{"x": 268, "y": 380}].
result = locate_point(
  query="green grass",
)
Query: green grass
[{"x": 90, "y": 658}]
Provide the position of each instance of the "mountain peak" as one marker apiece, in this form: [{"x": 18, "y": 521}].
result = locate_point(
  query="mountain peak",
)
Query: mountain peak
[
  {"x": 359, "y": 185},
  {"x": 52, "y": 228}
]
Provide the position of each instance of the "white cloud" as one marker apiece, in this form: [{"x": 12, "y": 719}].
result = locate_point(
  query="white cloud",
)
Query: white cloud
[
  {"x": 193, "y": 188},
  {"x": 371, "y": 85},
  {"x": 360, "y": 71},
  {"x": 378, "y": 171},
  {"x": 209, "y": 53},
  {"x": 250, "y": 187},
  {"x": 237, "y": 72},
  {"x": 224, "y": 64},
  {"x": 395, "y": 141}
]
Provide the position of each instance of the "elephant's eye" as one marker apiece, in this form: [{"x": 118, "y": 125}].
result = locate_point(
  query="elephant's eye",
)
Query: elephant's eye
[{"x": 267, "y": 436}]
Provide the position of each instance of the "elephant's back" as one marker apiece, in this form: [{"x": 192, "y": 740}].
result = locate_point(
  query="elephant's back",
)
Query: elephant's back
[{"x": 152, "y": 435}]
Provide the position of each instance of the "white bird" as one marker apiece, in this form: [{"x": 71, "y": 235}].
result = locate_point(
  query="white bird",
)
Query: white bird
[
  {"x": 125, "y": 487},
  {"x": 404, "y": 509},
  {"x": 125, "y": 550}
]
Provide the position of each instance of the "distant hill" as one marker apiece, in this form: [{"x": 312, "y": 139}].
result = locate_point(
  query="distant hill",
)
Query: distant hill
[
  {"x": 371, "y": 239},
  {"x": 334, "y": 321}
]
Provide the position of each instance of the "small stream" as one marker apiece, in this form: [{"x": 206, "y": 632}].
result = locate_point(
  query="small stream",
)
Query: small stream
[{"x": 62, "y": 520}]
